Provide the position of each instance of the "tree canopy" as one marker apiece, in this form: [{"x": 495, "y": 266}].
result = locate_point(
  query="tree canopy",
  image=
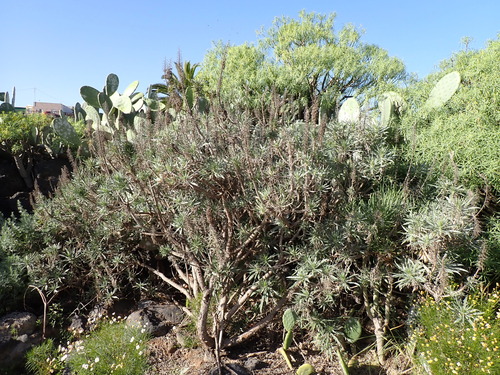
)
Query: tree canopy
[
  {"x": 463, "y": 137},
  {"x": 304, "y": 59}
]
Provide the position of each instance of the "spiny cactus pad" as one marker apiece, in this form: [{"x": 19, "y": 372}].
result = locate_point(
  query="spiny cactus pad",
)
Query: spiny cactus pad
[
  {"x": 306, "y": 369},
  {"x": 443, "y": 90},
  {"x": 66, "y": 131},
  {"x": 352, "y": 329},
  {"x": 90, "y": 95},
  {"x": 289, "y": 319},
  {"x": 112, "y": 83},
  {"x": 349, "y": 111}
]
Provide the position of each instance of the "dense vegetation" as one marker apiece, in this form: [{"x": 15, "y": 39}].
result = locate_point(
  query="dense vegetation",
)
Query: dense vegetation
[{"x": 258, "y": 182}]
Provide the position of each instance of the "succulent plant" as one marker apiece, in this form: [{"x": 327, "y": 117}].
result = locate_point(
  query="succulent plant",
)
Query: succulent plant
[
  {"x": 289, "y": 320},
  {"x": 306, "y": 369},
  {"x": 391, "y": 107},
  {"x": 352, "y": 330},
  {"x": 120, "y": 112},
  {"x": 443, "y": 90},
  {"x": 66, "y": 131},
  {"x": 7, "y": 105},
  {"x": 349, "y": 111}
]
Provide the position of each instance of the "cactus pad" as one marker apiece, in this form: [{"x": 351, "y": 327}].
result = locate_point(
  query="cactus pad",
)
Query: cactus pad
[
  {"x": 289, "y": 319},
  {"x": 112, "y": 83},
  {"x": 443, "y": 90},
  {"x": 349, "y": 111},
  {"x": 306, "y": 369},
  {"x": 352, "y": 329},
  {"x": 66, "y": 131},
  {"x": 90, "y": 95}
]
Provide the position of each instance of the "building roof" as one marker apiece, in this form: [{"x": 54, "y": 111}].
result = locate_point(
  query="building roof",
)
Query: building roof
[{"x": 43, "y": 107}]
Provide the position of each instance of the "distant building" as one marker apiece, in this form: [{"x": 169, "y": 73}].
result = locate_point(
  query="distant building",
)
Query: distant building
[{"x": 49, "y": 108}]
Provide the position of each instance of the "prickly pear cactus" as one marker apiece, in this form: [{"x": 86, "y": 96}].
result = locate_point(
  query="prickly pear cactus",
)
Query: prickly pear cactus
[
  {"x": 66, "y": 131},
  {"x": 390, "y": 107},
  {"x": 90, "y": 95},
  {"x": 352, "y": 330},
  {"x": 289, "y": 319},
  {"x": 349, "y": 111},
  {"x": 306, "y": 369},
  {"x": 112, "y": 83},
  {"x": 443, "y": 90}
]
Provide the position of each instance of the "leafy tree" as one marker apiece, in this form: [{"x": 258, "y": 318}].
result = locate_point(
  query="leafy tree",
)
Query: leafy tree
[
  {"x": 462, "y": 139},
  {"x": 305, "y": 60},
  {"x": 179, "y": 89}
]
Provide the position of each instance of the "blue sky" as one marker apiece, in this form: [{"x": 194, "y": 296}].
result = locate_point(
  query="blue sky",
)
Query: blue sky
[{"x": 51, "y": 48}]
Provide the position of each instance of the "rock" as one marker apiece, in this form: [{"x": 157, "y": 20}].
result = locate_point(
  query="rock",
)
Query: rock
[
  {"x": 95, "y": 316},
  {"x": 231, "y": 369},
  {"x": 13, "y": 350},
  {"x": 255, "y": 364},
  {"x": 17, "y": 324},
  {"x": 77, "y": 325},
  {"x": 17, "y": 337},
  {"x": 158, "y": 319}
]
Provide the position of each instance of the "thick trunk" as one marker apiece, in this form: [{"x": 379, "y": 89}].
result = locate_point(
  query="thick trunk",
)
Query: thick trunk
[
  {"x": 201, "y": 324},
  {"x": 380, "y": 338}
]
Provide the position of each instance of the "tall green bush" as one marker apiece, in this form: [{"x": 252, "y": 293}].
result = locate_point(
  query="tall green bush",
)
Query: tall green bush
[{"x": 462, "y": 139}]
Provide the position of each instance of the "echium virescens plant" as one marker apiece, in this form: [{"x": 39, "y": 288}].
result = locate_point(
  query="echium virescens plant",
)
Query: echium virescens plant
[
  {"x": 226, "y": 205},
  {"x": 248, "y": 220}
]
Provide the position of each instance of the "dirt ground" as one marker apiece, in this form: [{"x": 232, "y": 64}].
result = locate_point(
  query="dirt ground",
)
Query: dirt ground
[{"x": 168, "y": 358}]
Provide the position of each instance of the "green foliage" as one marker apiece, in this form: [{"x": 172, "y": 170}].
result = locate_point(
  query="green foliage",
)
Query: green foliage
[
  {"x": 490, "y": 261},
  {"x": 58, "y": 244},
  {"x": 459, "y": 336},
  {"x": 114, "y": 348},
  {"x": 15, "y": 237},
  {"x": 462, "y": 138},
  {"x": 180, "y": 89},
  {"x": 44, "y": 359},
  {"x": 122, "y": 114},
  {"x": 18, "y": 132},
  {"x": 304, "y": 64}
]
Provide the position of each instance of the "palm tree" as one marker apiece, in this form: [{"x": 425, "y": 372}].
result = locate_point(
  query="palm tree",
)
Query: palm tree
[{"x": 179, "y": 88}]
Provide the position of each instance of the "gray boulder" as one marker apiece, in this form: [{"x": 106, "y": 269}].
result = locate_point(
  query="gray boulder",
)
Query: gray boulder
[{"x": 157, "y": 319}]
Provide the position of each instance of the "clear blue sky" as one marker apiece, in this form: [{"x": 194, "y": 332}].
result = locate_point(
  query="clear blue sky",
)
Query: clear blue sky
[{"x": 51, "y": 48}]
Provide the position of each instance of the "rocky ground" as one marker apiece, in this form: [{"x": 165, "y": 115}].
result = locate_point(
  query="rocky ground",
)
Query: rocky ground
[
  {"x": 173, "y": 350},
  {"x": 168, "y": 358}
]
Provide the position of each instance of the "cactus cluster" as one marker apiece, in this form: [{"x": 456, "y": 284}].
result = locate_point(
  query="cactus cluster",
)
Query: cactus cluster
[
  {"x": 289, "y": 320},
  {"x": 8, "y": 105},
  {"x": 111, "y": 112},
  {"x": 392, "y": 104}
]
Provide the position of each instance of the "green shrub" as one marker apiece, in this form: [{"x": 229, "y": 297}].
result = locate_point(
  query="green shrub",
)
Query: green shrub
[
  {"x": 462, "y": 139},
  {"x": 114, "y": 348},
  {"x": 18, "y": 131},
  {"x": 44, "y": 359},
  {"x": 17, "y": 239},
  {"x": 460, "y": 335}
]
